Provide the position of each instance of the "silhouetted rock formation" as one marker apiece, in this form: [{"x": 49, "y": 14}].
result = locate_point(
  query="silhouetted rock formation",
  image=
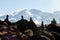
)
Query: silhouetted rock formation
[
  {"x": 42, "y": 26},
  {"x": 53, "y": 27},
  {"x": 23, "y": 25},
  {"x": 27, "y": 30},
  {"x": 7, "y": 21}
]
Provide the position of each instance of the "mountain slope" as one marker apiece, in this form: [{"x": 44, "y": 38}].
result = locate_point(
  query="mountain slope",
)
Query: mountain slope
[{"x": 36, "y": 15}]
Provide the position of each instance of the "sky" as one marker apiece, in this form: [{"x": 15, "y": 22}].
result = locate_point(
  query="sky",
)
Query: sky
[
  {"x": 7, "y": 6},
  {"x": 11, "y": 6}
]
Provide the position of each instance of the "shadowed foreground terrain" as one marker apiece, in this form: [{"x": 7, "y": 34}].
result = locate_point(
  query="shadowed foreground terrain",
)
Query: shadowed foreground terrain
[{"x": 28, "y": 30}]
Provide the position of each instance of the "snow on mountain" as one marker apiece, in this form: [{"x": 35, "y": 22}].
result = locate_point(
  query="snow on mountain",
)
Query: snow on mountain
[{"x": 36, "y": 15}]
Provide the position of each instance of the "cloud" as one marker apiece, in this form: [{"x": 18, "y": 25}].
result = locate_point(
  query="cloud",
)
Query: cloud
[
  {"x": 29, "y": 13},
  {"x": 13, "y": 19},
  {"x": 12, "y": 12},
  {"x": 2, "y": 19},
  {"x": 36, "y": 21},
  {"x": 2, "y": 14},
  {"x": 37, "y": 17}
]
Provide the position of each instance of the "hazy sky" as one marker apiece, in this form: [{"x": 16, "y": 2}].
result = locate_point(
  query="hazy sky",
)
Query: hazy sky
[{"x": 43, "y": 5}]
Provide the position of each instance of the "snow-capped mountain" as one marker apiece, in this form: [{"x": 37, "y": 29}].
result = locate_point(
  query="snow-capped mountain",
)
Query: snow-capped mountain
[{"x": 36, "y": 15}]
